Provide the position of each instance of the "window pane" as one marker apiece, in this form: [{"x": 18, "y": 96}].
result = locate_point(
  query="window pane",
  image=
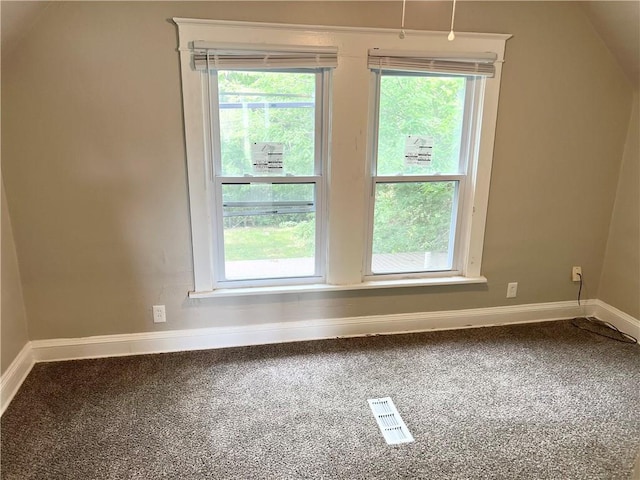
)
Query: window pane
[
  {"x": 269, "y": 230},
  {"x": 420, "y": 125},
  {"x": 271, "y": 112},
  {"x": 412, "y": 225}
]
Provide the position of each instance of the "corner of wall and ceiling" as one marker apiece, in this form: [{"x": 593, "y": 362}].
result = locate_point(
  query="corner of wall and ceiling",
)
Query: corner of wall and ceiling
[{"x": 617, "y": 24}]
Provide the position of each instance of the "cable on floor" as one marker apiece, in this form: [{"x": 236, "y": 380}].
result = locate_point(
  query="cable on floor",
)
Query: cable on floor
[{"x": 600, "y": 327}]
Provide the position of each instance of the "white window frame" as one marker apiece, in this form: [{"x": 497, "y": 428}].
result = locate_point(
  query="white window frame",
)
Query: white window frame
[
  {"x": 348, "y": 147},
  {"x": 463, "y": 198}
]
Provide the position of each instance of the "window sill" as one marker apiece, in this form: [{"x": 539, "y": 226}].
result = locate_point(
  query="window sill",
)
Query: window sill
[{"x": 322, "y": 287}]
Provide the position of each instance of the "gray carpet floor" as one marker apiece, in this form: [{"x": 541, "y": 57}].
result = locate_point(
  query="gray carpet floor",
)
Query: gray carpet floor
[{"x": 537, "y": 401}]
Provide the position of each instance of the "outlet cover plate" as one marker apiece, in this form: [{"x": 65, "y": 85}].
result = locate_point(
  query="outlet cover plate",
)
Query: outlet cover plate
[
  {"x": 159, "y": 315},
  {"x": 576, "y": 273}
]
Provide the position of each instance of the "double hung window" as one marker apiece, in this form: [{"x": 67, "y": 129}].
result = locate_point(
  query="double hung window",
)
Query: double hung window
[
  {"x": 329, "y": 158},
  {"x": 426, "y": 124},
  {"x": 267, "y": 123}
]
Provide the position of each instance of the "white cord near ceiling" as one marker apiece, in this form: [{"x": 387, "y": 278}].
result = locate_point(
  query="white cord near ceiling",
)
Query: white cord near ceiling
[
  {"x": 404, "y": 4},
  {"x": 452, "y": 35}
]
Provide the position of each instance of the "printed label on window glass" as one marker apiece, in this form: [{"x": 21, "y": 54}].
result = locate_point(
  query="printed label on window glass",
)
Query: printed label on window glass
[
  {"x": 418, "y": 150},
  {"x": 267, "y": 158}
]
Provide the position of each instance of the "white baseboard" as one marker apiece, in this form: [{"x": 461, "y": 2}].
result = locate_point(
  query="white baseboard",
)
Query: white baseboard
[
  {"x": 220, "y": 337},
  {"x": 13, "y": 377},
  {"x": 622, "y": 321}
]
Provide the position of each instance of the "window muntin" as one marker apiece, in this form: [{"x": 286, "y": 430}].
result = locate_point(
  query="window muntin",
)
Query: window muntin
[
  {"x": 422, "y": 134},
  {"x": 268, "y": 148}
]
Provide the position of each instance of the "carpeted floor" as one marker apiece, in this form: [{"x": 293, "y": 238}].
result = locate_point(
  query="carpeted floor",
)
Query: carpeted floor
[{"x": 538, "y": 401}]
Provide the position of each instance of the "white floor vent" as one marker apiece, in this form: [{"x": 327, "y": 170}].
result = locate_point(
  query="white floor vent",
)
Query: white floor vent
[{"x": 391, "y": 425}]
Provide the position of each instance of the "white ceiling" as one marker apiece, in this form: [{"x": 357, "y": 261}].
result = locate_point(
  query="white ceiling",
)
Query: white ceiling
[{"x": 617, "y": 22}]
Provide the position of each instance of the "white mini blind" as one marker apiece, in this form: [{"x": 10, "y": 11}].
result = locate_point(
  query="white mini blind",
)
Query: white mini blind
[
  {"x": 479, "y": 64},
  {"x": 243, "y": 57}
]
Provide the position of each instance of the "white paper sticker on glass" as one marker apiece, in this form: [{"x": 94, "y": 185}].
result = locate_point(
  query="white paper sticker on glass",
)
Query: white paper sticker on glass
[
  {"x": 267, "y": 158},
  {"x": 418, "y": 150}
]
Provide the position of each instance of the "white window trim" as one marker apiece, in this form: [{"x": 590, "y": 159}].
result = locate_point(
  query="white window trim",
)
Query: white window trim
[
  {"x": 348, "y": 142},
  {"x": 325, "y": 287}
]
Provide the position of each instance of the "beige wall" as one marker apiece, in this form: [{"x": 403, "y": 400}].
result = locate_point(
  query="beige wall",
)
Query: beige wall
[
  {"x": 620, "y": 283},
  {"x": 94, "y": 164},
  {"x": 13, "y": 323}
]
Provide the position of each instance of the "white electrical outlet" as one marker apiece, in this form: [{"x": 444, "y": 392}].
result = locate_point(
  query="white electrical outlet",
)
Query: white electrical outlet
[
  {"x": 576, "y": 274},
  {"x": 159, "y": 315},
  {"x": 512, "y": 290}
]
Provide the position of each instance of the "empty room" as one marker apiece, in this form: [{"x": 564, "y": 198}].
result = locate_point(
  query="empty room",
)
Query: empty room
[{"x": 320, "y": 239}]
